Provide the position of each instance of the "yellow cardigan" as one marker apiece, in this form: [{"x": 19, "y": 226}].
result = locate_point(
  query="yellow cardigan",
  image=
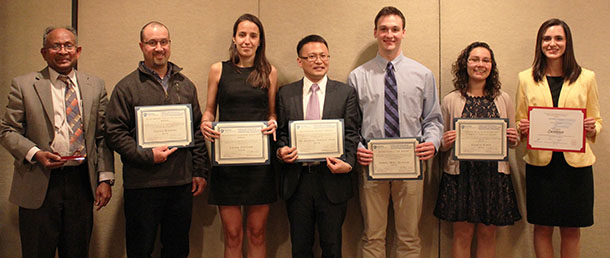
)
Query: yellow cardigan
[{"x": 580, "y": 94}]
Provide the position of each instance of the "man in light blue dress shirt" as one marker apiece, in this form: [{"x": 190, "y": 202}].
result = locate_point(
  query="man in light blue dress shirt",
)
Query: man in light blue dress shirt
[{"x": 419, "y": 115}]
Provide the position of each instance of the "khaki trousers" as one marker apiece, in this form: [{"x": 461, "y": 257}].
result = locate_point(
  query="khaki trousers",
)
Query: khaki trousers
[{"x": 406, "y": 197}]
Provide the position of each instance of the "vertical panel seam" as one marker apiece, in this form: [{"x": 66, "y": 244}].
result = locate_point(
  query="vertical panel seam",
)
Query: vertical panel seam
[
  {"x": 440, "y": 72},
  {"x": 74, "y": 17}
]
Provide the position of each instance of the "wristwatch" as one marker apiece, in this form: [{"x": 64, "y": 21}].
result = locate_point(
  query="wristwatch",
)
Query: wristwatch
[{"x": 108, "y": 181}]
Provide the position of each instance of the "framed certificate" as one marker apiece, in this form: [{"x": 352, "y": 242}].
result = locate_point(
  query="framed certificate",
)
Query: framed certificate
[
  {"x": 394, "y": 158},
  {"x": 240, "y": 143},
  {"x": 556, "y": 129},
  {"x": 480, "y": 139},
  {"x": 170, "y": 125},
  {"x": 317, "y": 139}
]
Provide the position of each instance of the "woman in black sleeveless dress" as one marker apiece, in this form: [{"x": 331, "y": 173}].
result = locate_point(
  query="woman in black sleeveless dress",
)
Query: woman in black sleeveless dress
[{"x": 243, "y": 89}]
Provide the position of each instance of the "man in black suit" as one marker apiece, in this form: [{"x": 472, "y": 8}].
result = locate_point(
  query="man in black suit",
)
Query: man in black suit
[{"x": 316, "y": 194}]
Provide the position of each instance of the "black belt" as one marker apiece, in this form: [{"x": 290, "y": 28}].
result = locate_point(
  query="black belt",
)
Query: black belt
[
  {"x": 312, "y": 167},
  {"x": 81, "y": 167}
]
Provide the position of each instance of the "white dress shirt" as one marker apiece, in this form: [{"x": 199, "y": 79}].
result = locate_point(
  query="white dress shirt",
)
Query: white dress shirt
[{"x": 321, "y": 93}]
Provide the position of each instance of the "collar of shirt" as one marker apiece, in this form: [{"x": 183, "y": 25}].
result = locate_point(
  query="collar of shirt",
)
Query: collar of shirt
[
  {"x": 54, "y": 75},
  {"x": 321, "y": 93},
  {"x": 155, "y": 74},
  {"x": 383, "y": 63},
  {"x": 307, "y": 85},
  {"x": 163, "y": 81}
]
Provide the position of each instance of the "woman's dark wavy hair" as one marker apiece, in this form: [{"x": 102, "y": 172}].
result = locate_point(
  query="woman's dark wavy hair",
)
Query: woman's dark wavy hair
[
  {"x": 460, "y": 72},
  {"x": 259, "y": 78},
  {"x": 571, "y": 69}
]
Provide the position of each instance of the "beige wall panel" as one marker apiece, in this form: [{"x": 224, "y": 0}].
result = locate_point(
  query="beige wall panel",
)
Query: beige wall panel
[
  {"x": 22, "y": 24},
  {"x": 348, "y": 28},
  {"x": 510, "y": 28},
  {"x": 589, "y": 25},
  {"x": 201, "y": 32}
]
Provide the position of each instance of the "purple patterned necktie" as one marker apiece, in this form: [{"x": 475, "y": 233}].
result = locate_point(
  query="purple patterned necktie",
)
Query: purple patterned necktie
[
  {"x": 73, "y": 118},
  {"x": 391, "y": 120},
  {"x": 313, "y": 106}
]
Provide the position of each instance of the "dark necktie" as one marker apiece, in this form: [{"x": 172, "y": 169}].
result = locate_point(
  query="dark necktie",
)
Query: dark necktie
[
  {"x": 73, "y": 118},
  {"x": 313, "y": 106},
  {"x": 391, "y": 121}
]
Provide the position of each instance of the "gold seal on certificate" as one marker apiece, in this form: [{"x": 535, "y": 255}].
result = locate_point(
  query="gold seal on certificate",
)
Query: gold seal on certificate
[
  {"x": 317, "y": 139},
  {"x": 240, "y": 143},
  {"x": 170, "y": 125},
  {"x": 556, "y": 129},
  {"x": 394, "y": 158},
  {"x": 480, "y": 139}
]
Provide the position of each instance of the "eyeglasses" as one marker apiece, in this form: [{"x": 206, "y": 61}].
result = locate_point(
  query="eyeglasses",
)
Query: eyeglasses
[
  {"x": 153, "y": 43},
  {"x": 66, "y": 46},
  {"x": 314, "y": 57},
  {"x": 477, "y": 60}
]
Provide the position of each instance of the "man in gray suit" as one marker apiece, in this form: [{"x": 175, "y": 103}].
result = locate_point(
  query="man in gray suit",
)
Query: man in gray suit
[{"x": 54, "y": 127}]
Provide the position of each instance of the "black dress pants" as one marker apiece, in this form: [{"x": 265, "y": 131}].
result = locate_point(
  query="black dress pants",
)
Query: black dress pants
[
  {"x": 148, "y": 208},
  {"x": 64, "y": 221},
  {"x": 309, "y": 208}
]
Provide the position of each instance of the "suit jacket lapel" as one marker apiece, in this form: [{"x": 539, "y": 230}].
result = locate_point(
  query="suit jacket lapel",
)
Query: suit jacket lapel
[
  {"x": 298, "y": 101},
  {"x": 42, "y": 85},
  {"x": 84, "y": 86},
  {"x": 545, "y": 90},
  {"x": 329, "y": 98},
  {"x": 563, "y": 95}
]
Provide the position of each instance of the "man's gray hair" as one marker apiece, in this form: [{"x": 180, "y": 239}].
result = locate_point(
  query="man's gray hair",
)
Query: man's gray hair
[{"x": 52, "y": 28}]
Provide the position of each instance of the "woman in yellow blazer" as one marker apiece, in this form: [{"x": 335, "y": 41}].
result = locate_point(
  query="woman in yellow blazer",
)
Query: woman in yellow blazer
[{"x": 559, "y": 184}]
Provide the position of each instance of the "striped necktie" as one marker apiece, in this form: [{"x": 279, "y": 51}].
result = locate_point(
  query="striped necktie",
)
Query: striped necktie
[
  {"x": 391, "y": 120},
  {"x": 73, "y": 118}
]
